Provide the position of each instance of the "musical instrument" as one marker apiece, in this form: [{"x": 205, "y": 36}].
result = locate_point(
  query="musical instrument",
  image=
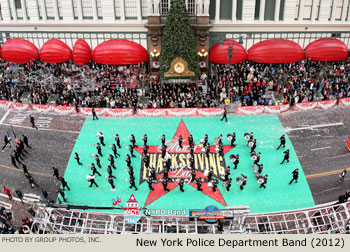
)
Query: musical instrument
[
  {"x": 229, "y": 137},
  {"x": 89, "y": 177},
  {"x": 217, "y": 149},
  {"x": 222, "y": 173},
  {"x": 232, "y": 158},
  {"x": 206, "y": 173},
  {"x": 93, "y": 156},
  {"x": 210, "y": 184},
  {"x": 253, "y": 156},
  {"x": 260, "y": 180},
  {"x": 247, "y": 136},
  {"x": 99, "y": 134},
  {"x": 216, "y": 141},
  {"x": 250, "y": 143},
  {"x": 239, "y": 181},
  {"x": 224, "y": 184},
  {"x": 201, "y": 141},
  {"x": 203, "y": 149}
]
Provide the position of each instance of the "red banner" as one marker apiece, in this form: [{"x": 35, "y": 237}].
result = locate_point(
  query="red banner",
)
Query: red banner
[
  {"x": 326, "y": 104},
  {"x": 5, "y": 104},
  {"x": 20, "y": 106},
  {"x": 344, "y": 102},
  {"x": 305, "y": 106},
  {"x": 42, "y": 108},
  {"x": 251, "y": 110},
  {"x": 348, "y": 144},
  {"x": 210, "y": 111},
  {"x": 63, "y": 110},
  {"x": 276, "y": 109}
]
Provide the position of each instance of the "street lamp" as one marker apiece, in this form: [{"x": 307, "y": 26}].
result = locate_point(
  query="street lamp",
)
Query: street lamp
[{"x": 229, "y": 53}]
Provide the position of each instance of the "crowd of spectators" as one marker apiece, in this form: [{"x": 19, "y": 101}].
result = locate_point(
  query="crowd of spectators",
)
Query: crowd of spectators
[{"x": 247, "y": 83}]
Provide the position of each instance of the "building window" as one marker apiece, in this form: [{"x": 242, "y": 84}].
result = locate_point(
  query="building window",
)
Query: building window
[
  {"x": 338, "y": 9},
  {"x": 318, "y": 7},
  {"x": 130, "y": 9},
  {"x": 18, "y": 9},
  {"x": 87, "y": 9},
  {"x": 164, "y": 7},
  {"x": 257, "y": 10},
  {"x": 50, "y": 13},
  {"x": 99, "y": 9},
  {"x": 75, "y": 9},
  {"x": 281, "y": 13},
  {"x": 270, "y": 6},
  {"x": 226, "y": 9},
  {"x": 60, "y": 11},
  {"x": 117, "y": 8},
  {"x": 297, "y": 10},
  {"x": 191, "y": 7},
  {"x": 307, "y": 10},
  {"x": 347, "y": 13},
  {"x": 239, "y": 9},
  {"x": 212, "y": 9},
  {"x": 40, "y": 11},
  {"x": 144, "y": 9}
]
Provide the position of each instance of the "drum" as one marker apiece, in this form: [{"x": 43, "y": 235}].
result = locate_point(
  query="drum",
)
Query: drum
[
  {"x": 246, "y": 136},
  {"x": 229, "y": 137},
  {"x": 222, "y": 173},
  {"x": 210, "y": 184},
  {"x": 93, "y": 156},
  {"x": 250, "y": 143},
  {"x": 232, "y": 158},
  {"x": 201, "y": 141},
  {"x": 217, "y": 149},
  {"x": 253, "y": 157},
  {"x": 260, "y": 180},
  {"x": 206, "y": 173},
  {"x": 203, "y": 149},
  {"x": 216, "y": 141},
  {"x": 239, "y": 181}
]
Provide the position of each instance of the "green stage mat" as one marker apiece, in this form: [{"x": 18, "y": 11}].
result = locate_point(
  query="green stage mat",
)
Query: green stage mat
[{"x": 278, "y": 195}]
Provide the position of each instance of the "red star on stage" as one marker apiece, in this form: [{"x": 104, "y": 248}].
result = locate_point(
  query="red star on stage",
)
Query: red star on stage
[{"x": 158, "y": 188}]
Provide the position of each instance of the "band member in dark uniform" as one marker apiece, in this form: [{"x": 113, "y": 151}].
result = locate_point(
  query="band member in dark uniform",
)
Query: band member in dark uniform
[
  {"x": 220, "y": 140},
  {"x": 55, "y": 172},
  {"x": 260, "y": 168},
  {"x": 133, "y": 140},
  {"x": 150, "y": 183},
  {"x": 146, "y": 160},
  {"x": 224, "y": 116},
  {"x": 205, "y": 140},
  {"x": 132, "y": 183},
  {"x": 199, "y": 185},
  {"x": 128, "y": 160},
  {"x": 77, "y": 158},
  {"x": 265, "y": 181},
  {"x": 163, "y": 149},
  {"x": 283, "y": 142},
  {"x": 111, "y": 160},
  {"x": 165, "y": 185},
  {"x": 131, "y": 172},
  {"x": 221, "y": 150},
  {"x": 192, "y": 163},
  {"x": 251, "y": 136},
  {"x": 32, "y": 122},
  {"x": 117, "y": 140},
  {"x": 253, "y": 147},
  {"x": 94, "y": 170},
  {"x": 244, "y": 182},
  {"x": 165, "y": 173},
  {"x": 180, "y": 141},
  {"x": 181, "y": 184},
  {"x": 257, "y": 160},
  {"x": 92, "y": 181},
  {"x": 64, "y": 183},
  {"x": 190, "y": 141},
  {"x": 114, "y": 149},
  {"x": 145, "y": 138},
  {"x": 236, "y": 161},
  {"x": 210, "y": 174},
  {"x": 99, "y": 150},
  {"x": 110, "y": 173},
  {"x": 215, "y": 186},
  {"x": 131, "y": 149},
  {"x": 207, "y": 151},
  {"x": 111, "y": 182},
  {"x": 228, "y": 184},
  {"x": 193, "y": 175},
  {"x": 192, "y": 151},
  {"x": 162, "y": 138},
  {"x": 94, "y": 114},
  {"x": 145, "y": 149},
  {"x": 286, "y": 156},
  {"x": 233, "y": 140},
  {"x": 98, "y": 162},
  {"x": 227, "y": 174},
  {"x": 101, "y": 137},
  {"x": 153, "y": 173},
  {"x": 295, "y": 176}
]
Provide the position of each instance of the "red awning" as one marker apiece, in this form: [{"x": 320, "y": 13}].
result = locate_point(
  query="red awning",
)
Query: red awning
[
  {"x": 119, "y": 52},
  {"x": 81, "y": 52},
  {"x": 219, "y": 53},
  {"x": 55, "y": 51},
  {"x": 326, "y": 49},
  {"x": 276, "y": 51},
  {"x": 19, "y": 51}
]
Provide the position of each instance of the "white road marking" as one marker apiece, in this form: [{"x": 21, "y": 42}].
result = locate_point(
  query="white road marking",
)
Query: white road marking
[
  {"x": 26, "y": 127},
  {"x": 327, "y": 147},
  {"x": 331, "y": 189},
  {"x": 4, "y": 117},
  {"x": 340, "y": 156},
  {"x": 315, "y": 126}
]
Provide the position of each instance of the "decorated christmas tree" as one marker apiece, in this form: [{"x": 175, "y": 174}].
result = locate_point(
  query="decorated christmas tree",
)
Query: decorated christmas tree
[{"x": 178, "y": 39}]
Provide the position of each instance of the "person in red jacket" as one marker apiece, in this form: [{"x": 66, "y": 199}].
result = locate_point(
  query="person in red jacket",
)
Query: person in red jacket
[{"x": 8, "y": 192}]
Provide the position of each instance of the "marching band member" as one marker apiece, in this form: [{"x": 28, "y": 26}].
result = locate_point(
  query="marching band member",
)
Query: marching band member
[
  {"x": 111, "y": 182},
  {"x": 205, "y": 140},
  {"x": 114, "y": 149},
  {"x": 94, "y": 170},
  {"x": 128, "y": 160},
  {"x": 207, "y": 150},
  {"x": 228, "y": 184},
  {"x": 295, "y": 176},
  {"x": 227, "y": 174},
  {"x": 111, "y": 160},
  {"x": 90, "y": 178},
  {"x": 193, "y": 175},
  {"x": 192, "y": 151},
  {"x": 144, "y": 138},
  {"x": 101, "y": 138},
  {"x": 110, "y": 173},
  {"x": 180, "y": 142},
  {"x": 260, "y": 168},
  {"x": 181, "y": 184},
  {"x": 251, "y": 136},
  {"x": 199, "y": 184},
  {"x": 265, "y": 181},
  {"x": 98, "y": 162},
  {"x": 257, "y": 160},
  {"x": 210, "y": 174},
  {"x": 221, "y": 150},
  {"x": 224, "y": 115},
  {"x": 145, "y": 149},
  {"x": 165, "y": 185},
  {"x": 233, "y": 140},
  {"x": 117, "y": 140},
  {"x": 150, "y": 183},
  {"x": 253, "y": 147},
  {"x": 236, "y": 162},
  {"x": 163, "y": 149},
  {"x": 132, "y": 183},
  {"x": 220, "y": 140},
  {"x": 190, "y": 141},
  {"x": 133, "y": 140},
  {"x": 286, "y": 156},
  {"x": 214, "y": 185},
  {"x": 99, "y": 150},
  {"x": 146, "y": 160},
  {"x": 77, "y": 158},
  {"x": 282, "y": 142},
  {"x": 162, "y": 138},
  {"x": 244, "y": 182},
  {"x": 131, "y": 149},
  {"x": 153, "y": 173}
]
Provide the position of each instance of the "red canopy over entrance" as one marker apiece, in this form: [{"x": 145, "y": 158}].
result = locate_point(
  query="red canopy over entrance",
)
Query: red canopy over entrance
[
  {"x": 119, "y": 52},
  {"x": 326, "y": 49},
  {"x": 55, "y": 51},
  {"x": 276, "y": 51},
  {"x": 81, "y": 52},
  {"x": 219, "y": 53},
  {"x": 19, "y": 51}
]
